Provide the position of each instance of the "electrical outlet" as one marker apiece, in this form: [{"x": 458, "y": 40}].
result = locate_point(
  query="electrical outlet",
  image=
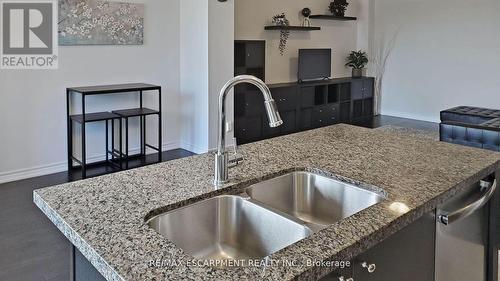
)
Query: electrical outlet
[{"x": 229, "y": 127}]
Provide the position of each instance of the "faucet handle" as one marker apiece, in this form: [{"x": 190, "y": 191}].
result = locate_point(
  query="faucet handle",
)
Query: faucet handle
[{"x": 235, "y": 159}]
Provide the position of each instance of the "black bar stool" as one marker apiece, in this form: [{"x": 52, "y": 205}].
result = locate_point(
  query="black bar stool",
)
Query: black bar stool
[
  {"x": 107, "y": 117},
  {"x": 142, "y": 113}
]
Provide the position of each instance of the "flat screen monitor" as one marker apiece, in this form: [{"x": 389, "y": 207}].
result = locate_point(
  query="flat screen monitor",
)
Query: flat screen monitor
[{"x": 314, "y": 64}]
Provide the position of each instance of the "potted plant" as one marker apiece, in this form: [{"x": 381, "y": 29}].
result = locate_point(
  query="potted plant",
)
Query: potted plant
[
  {"x": 338, "y": 7},
  {"x": 357, "y": 60}
]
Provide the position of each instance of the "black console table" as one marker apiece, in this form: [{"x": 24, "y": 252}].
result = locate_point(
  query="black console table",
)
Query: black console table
[
  {"x": 303, "y": 106},
  {"x": 118, "y": 156}
]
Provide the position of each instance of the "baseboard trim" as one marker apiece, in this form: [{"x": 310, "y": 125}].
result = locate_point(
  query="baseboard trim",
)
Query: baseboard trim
[
  {"x": 193, "y": 148},
  {"x": 411, "y": 116},
  {"x": 37, "y": 171},
  {"x": 43, "y": 170}
]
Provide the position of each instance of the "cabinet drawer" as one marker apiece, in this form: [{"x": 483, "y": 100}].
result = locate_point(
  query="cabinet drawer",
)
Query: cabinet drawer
[
  {"x": 306, "y": 118},
  {"x": 269, "y": 132},
  {"x": 362, "y": 89},
  {"x": 357, "y": 87},
  {"x": 368, "y": 93},
  {"x": 407, "y": 255},
  {"x": 255, "y": 54},
  {"x": 286, "y": 98},
  {"x": 253, "y": 103},
  {"x": 326, "y": 115},
  {"x": 289, "y": 122},
  {"x": 248, "y": 128}
]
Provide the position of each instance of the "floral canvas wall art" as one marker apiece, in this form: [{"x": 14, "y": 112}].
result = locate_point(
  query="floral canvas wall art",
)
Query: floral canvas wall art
[{"x": 96, "y": 22}]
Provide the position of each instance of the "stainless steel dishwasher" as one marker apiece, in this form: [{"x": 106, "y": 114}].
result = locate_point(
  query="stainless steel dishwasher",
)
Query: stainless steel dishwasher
[{"x": 462, "y": 231}]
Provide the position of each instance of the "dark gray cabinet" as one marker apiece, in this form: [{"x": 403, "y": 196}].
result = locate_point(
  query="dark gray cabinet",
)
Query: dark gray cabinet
[
  {"x": 250, "y": 57},
  {"x": 249, "y": 128},
  {"x": 407, "y": 255},
  {"x": 81, "y": 269},
  {"x": 362, "y": 91},
  {"x": 325, "y": 115},
  {"x": 302, "y": 106}
]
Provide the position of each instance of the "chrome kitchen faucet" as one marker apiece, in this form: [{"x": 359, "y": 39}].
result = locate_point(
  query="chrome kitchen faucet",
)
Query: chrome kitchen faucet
[{"x": 221, "y": 157}]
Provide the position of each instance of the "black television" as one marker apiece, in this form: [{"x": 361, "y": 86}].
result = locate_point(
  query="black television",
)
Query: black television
[{"x": 314, "y": 64}]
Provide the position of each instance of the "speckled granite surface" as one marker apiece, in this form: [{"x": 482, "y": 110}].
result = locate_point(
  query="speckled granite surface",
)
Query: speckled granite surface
[
  {"x": 416, "y": 133},
  {"x": 104, "y": 217}
]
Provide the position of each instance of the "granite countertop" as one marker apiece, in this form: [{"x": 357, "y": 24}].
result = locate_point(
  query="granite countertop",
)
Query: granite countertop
[{"x": 104, "y": 217}]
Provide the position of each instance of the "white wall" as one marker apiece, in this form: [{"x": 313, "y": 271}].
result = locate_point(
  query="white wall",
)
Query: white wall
[
  {"x": 252, "y": 16},
  {"x": 33, "y": 104},
  {"x": 365, "y": 24},
  {"x": 446, "y": 54},
  {"x": 194, "y": 74},
  {"x": 207, "y": 40},
  {"x": 221, "y": 62}
]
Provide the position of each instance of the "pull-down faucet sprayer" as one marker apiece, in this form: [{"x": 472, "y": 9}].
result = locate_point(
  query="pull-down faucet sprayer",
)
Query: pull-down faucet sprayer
[{"x": 221, "y": 157}]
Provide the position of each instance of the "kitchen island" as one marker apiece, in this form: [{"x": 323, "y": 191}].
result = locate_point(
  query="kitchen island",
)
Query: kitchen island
[{"x": 105, "y": 217}]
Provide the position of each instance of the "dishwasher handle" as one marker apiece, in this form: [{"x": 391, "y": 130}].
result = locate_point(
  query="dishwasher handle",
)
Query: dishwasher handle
[{"x": 466, "y": 211}]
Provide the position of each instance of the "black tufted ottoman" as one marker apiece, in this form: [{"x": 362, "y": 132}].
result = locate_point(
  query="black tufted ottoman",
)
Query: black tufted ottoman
[{"x": 471, "y": 126}]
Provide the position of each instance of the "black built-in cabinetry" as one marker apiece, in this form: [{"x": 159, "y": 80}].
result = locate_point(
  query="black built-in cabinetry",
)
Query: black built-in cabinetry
[
  {"x": 406, "y": 255},
  {"x": 302, "y": 106}
]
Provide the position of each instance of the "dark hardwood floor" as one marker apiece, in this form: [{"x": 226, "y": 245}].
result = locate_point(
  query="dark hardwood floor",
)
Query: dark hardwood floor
[
  {"x": 32, "y": 249},
  {"x": 382, "y": 120}
]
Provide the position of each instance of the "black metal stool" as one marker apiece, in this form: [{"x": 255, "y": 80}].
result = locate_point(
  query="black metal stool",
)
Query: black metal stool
[
  {"x": 142, "y": 113},
  {"x": 91, "y": 118}
]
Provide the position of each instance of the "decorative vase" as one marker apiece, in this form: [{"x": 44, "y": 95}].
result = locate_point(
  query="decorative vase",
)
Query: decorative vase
[
  {"x": 280, "y": 22},
  {"x": 338, "y": 7},
  {"x": 339, "y": 13},
  {"x": 356, "y": 73}
]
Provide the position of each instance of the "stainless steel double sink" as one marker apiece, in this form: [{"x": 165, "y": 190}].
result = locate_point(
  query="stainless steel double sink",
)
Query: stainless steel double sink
[{"x": 268, "y": 217}]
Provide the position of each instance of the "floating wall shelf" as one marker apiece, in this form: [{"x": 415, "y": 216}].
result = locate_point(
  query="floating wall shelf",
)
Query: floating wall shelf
[
  {"x": 298, "y": 28},
  {"x": 331, "y": 17}
]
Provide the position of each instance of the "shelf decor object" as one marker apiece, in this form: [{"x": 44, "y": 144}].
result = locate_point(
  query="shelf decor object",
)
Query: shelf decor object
[
  {"x": 331, "y": 17},
  {"x": 338, "y": 7},
  {"x": 306, "y": 13},
  {"x": 281, "y": 22},
  {"x": 357, "y": 60},
  {"x": 83, "y": 118}
]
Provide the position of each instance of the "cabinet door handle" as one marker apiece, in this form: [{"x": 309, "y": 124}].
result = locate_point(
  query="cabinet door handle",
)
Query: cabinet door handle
[
  {"x": 466, "y": 211},
  {"x": 369, "y": 267}
]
